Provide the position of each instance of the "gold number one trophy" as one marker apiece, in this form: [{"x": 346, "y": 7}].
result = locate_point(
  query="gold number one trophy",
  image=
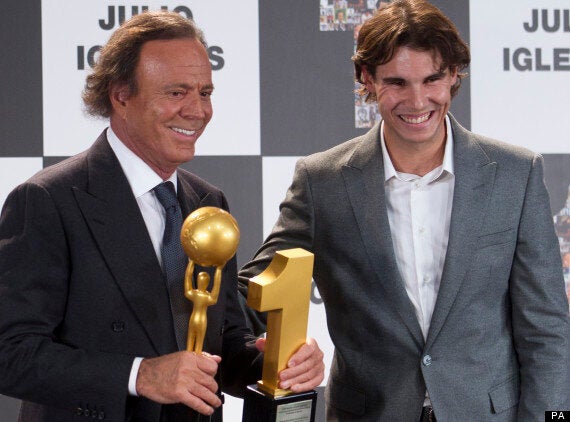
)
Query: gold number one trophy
[
  {"x": 210, "y": 237},
  {"x": 284, "y": 291}
]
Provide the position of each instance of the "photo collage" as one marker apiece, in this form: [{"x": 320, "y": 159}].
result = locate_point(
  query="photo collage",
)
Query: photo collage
[{"x": 349, "y": 15}]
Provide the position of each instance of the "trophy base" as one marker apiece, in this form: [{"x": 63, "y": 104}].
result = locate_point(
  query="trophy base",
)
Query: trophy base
[{"x": 259, "y": 406}]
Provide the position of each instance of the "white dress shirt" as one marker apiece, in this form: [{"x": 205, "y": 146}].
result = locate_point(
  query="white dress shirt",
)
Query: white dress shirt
[
  {"x": 142, "y": 180},
  {"x": 419, "y": 212}
]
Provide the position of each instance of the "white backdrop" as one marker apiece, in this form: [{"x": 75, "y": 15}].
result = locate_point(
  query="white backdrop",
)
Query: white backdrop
[
  {"x": 69, "y": 27},
  {"x": 520, "y": 77}
]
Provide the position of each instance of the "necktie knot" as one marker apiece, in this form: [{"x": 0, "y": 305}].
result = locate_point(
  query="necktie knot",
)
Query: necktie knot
[{"x": 166, "y": 195}]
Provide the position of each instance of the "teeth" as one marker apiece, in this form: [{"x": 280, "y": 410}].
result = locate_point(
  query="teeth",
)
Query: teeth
[
  {"x": 416, "y": 120},
  {"x": 184, "y": 131}
]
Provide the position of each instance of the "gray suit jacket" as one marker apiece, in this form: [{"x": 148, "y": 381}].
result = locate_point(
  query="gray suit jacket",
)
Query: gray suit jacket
[
  {"x": 82, "y": 293},
  {"x": 499, "y": 340}
]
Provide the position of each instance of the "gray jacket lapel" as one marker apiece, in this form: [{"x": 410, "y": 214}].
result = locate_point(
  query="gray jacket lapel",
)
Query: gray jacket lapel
[
  {"x": 364, "y": 179},
  {"x": 113, "y": 216},
  {"x": 474, "y": 180}
]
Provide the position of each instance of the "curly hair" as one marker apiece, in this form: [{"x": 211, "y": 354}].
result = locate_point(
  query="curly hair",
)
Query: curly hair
[
  {"x": 416, "y": 24},
  {"x": 119, "y": 57}
]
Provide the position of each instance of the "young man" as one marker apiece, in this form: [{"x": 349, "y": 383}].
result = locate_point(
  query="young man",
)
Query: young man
[{"x": 435, "y": 252}]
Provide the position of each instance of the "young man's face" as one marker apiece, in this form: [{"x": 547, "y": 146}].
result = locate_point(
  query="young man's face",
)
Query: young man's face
[{"x": 413, "y": 97}]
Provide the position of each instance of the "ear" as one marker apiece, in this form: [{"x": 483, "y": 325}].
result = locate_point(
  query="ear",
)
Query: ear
[
  {"x": 119, "y": 95},
  {"x": 453, "y": 74},
  {"x": 367, "y": 80}
]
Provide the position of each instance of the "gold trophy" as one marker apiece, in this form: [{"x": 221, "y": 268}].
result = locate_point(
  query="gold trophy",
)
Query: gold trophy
[
  {"x": 210, "y": 237},
  {"x": 284, "y": 291}
]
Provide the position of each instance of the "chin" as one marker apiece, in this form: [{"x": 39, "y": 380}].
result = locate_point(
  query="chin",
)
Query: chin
[{"x": 186, "y": 156}]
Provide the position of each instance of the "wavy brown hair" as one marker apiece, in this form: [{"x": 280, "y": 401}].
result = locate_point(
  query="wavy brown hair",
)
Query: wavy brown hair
[
  {"x": 416, "y": 24},
  {"x": 118, "y": 59}
]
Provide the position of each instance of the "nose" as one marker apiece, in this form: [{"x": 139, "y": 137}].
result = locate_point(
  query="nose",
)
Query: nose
[
  {"x": 196, "y": 107},
  {"x": 418, "y": 97}
]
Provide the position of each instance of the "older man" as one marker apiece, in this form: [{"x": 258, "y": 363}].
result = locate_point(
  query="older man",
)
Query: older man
[{"x": 92, "y": 311}]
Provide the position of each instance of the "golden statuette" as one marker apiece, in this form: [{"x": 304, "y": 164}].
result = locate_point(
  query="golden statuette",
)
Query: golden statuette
[
  {"x": 284, "y": 291},
  {"x": 210, "y": 237}
]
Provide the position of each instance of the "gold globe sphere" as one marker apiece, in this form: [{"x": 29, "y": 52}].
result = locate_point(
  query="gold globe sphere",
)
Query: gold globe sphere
[{"x": 210, "y": 236}]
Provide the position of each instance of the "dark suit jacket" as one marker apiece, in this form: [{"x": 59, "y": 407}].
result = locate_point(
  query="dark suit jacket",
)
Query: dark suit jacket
[
  {"x": 82, "y": 293},
  {"x": 499, "y": 340}
]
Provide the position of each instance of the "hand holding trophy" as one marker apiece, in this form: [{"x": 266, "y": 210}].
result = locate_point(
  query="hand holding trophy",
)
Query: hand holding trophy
[
  {"x": 283, "y": 291},
  {"x": 210, "y": 237}
]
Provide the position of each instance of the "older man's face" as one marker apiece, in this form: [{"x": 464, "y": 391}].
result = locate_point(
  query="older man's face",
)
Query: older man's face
[{"x": 162, "y": 121}]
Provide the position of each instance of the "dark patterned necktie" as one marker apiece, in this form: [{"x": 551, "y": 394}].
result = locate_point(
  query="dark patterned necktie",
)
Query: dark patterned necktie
[{"x": 174, "y": 261}]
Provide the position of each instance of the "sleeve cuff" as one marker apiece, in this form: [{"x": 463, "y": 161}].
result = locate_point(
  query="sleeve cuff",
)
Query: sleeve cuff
[{"x": 133, "y": 377}]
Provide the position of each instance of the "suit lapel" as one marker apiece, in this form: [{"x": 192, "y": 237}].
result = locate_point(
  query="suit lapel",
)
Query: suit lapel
[
  {"x": 187, "y": 196},
  {"x": 364, "y": 180},
  {"x": 114, "y": 218},
  {"x": 474, "y": 180}
]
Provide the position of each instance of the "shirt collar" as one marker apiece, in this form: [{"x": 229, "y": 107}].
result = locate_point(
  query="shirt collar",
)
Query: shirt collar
[
  {"x": 390, "y": 171},
  {"x": 140, "y": 176}
]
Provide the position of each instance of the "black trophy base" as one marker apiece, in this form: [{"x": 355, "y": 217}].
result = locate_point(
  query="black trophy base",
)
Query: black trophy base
[{"x": 262, "y": 407}]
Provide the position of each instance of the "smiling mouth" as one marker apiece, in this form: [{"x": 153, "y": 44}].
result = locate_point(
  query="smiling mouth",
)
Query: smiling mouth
[
  {"x": 183, "y": 131},
  {"x": 416, "y": 119}
]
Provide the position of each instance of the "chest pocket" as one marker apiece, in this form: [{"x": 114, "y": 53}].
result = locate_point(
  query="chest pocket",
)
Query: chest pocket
[{"x": 497, "y": 238}]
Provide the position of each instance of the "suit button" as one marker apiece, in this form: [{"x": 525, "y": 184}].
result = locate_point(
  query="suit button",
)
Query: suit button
[
  {"x": 426, "y": 360},
  {"x": 79, "y": 411},
  {"x": 101, "y": 415},
  {"x": 118, "y": 326}
]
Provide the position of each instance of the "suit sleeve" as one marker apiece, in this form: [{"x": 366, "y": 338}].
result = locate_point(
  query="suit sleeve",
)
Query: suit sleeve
[
  {"x": 35, "y": 270},
  {"x": 294, "y": 229},
  {"x": 540, "y": 319}
]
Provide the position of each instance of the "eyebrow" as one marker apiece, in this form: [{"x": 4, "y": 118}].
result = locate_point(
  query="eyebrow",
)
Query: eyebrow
[
  {"x": 207, "y": 87},
  {"x": 392, "y": 79},
  {"x": 439, "y": 74},
  {"x": 396, "y": 79}
]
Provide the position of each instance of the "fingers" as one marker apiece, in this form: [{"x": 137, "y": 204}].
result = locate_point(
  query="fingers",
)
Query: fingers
[
  {"x": 181, "y": 377},
  {"x": 260, "y": 344},
  {"x": 305, "y": 352},
  {"x": 310, "y": 378},
  {"x": 216, "y": 358},
  {"x": 200, "y": 398},
  {"x": 305, "y": 370},
  {"x": 199, "y": 395},
  {"x": 208, "y": 363}
]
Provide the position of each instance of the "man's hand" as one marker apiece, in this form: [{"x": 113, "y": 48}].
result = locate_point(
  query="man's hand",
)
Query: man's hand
[
  {"x": 305, "y": 370},
  {"x": 181, "y": 377}
]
